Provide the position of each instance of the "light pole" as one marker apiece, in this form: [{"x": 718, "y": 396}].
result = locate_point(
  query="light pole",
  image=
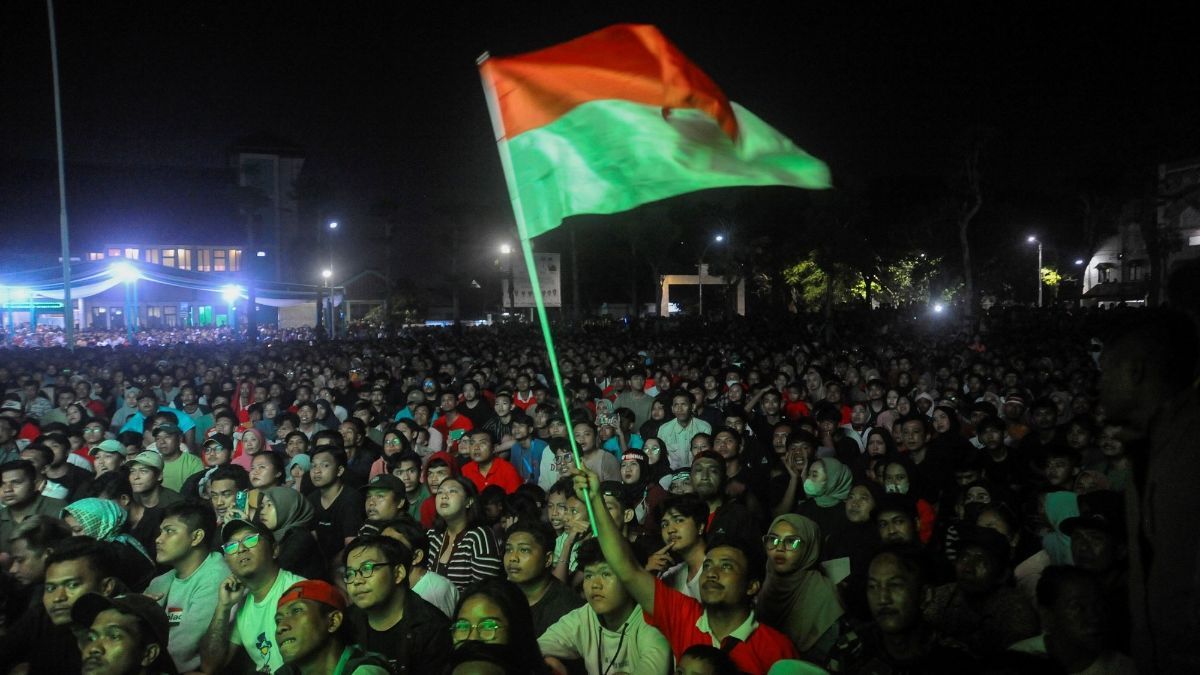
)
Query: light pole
[
  {"x": 506, "y": 250},
  {"x": 700, "y": 270},
  {"x": 326, "y": 274},
  {"x": 1034, "y": 240}
]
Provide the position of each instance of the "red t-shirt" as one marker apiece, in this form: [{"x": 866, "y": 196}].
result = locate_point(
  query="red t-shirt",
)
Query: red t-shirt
[
  {"x": 675, "y": 616},
  {"x": 502, "y": 473},
  {"x": 522, "y": 402},
  {"x": 454, "y": 431}
]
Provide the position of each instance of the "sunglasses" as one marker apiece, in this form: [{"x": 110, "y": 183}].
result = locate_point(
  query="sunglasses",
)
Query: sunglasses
[{"x": 249, "y": 542}]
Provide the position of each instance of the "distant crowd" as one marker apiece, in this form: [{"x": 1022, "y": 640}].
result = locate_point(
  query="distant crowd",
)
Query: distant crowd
[{"x": 867, "y": 492}]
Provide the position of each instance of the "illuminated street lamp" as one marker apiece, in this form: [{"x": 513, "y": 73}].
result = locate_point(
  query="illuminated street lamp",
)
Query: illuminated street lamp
[
  {"x": 1034, "y": 240},
  {"x": 230, "y": 293},
  {"x": 129, "y": 275},
  {"x": 507, "y": 250}
]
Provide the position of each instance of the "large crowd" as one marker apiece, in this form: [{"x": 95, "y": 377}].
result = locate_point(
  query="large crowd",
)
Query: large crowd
[{"x": 866, "y": 492}]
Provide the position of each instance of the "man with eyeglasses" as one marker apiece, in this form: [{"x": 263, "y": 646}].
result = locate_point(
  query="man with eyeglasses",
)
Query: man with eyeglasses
[
  {"x": 254, "y": 590},
  {"x": 387, "y": 616},
  {"x": 308, "y": 627}
]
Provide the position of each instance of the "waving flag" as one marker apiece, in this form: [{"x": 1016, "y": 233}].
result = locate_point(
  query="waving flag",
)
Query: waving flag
[{"x": 620, "y": 118}]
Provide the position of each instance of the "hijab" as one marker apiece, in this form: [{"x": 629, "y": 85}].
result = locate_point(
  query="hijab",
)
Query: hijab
[
  {"x": 1059, "y": 506},
  {"x": 804, "y": 603},
  {"x": 838, "y": 481},
  {"x": 292, "y": 511},
  {"x": 102, "y": 520}
]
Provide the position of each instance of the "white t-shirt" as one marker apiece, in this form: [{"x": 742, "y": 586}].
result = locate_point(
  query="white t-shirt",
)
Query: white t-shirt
[
  {"x": 635, "y": 647},
  {"x": 438, "y": 591},
  {"x": 254, "y": 628},
  {"x": 677, "y": 578},
  {"x": 189, "y": 604}
]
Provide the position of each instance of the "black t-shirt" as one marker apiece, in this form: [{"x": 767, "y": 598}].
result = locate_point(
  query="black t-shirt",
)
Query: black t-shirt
[
  {"x": 557, "y": 601},
  {"x": 76, "y": 481},
  {"x": 418, "y": 643},
  {"x": 35, "y": 640},
  {"x": 341, "y": 520}
]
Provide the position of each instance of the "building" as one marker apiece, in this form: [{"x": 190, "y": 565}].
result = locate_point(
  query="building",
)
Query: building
[{"x": 1119, "y": 270}]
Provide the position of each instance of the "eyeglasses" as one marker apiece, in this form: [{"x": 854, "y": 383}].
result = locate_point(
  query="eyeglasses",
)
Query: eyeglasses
[
  {"x": 786, "y": 543},
  {"x": 485, "y": 630},
  {"x": 249, "y": 542},
  {"x": 367, "y": 569},
  {"x": 93, "y": 430},
  {"x": 213, "y": 449},
  {"x": 394, "y": 441}
]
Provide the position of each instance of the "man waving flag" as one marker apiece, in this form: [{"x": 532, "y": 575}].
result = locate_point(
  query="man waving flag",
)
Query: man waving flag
[{"x": 620, "y": 118}]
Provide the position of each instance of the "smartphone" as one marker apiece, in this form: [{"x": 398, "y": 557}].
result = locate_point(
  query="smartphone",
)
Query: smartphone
[{"x": 240, "y": 500}]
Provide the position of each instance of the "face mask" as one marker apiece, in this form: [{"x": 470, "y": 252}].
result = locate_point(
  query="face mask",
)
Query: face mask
[
  {"x": 900, "y": 489},
  {"x": 811, "y": 488}
]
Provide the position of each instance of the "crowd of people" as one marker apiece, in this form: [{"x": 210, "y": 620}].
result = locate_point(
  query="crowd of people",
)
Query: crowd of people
[
  {"x": 867, "y": 492},
  {"x": 26, "y": 336}
]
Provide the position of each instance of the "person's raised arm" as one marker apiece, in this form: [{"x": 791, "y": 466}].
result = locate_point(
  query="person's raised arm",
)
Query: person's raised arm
[
  {"x": 215, "y": 652},
  {"x": 617, "y": 552}
]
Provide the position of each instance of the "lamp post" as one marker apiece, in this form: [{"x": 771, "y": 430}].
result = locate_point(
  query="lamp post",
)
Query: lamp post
[
  {"x": 700, "y": 270},
  {"x": 506, "y": 250},
  {"x": 326, "y": 274},
  {"x": 1034, "y": 240}
]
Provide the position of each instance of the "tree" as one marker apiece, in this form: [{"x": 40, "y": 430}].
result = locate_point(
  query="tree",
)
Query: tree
[{"x": 970, "y": 200}]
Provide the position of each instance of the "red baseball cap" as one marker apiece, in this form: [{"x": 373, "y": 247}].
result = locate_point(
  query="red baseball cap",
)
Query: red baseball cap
[{"x": 315, "y": 590}]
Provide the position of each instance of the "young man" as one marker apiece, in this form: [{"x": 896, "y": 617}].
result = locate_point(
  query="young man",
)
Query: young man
[
  {"x": 384, "y": 501},
  {"x": 620, "y": 437},
  {"x": 147, "y": 406},
  {"x": 677, "y": 433},
  {"x": 43, "y": 639},
  {"x": 184, "y": 544},
  {"x": 75, "y": 479},
  {"x": 107, "y": 456},
  {"x": 726, "y": 516},
  {"x": 361, "y": 453},
  {"x": 178, "y": 466},
  {"x": 387, "y": 616},
  {"x": 635, "y": 397},
  {"x": 610, "y": 634},
  {"x": 525, "y": 453},
  {"x": 253, "y": 590},
  {"x": 529, "y": 562},
  {"x": 678, "y": 563},
  {"x": 441, "y": 465},
  {"x": 406, "y": 466},
  {"x": 436, "y": 589},
  {"x": 723, "y": 616},
  {"x": 338, "y": 507},
  {"x": 451, "y": 424},
  {"x": 122, "y": 635},
  {"x": 224, "y": 485},
  {"x": 499, "y": 427},
  {"x": 30, "y": 544},
  {"x": 899, "y": 640},
  {"x": 485, "y": 468},
  {"x": 308, "y": 628},
  {"x": 21, "y": 500},
  {"x": 896, "y": 517}
]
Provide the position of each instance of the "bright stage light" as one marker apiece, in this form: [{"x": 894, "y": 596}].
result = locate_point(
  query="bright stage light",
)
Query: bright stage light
[
  {"x": 231, "y": 293},
  {"x": 939, "y": 308}
]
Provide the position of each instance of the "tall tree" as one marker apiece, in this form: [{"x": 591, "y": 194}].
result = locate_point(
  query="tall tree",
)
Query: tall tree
[{"x": 970, "y": 200}]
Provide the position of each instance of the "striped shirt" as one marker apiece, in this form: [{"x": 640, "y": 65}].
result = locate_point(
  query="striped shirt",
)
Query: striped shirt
[{"x": 476, "y": 557}]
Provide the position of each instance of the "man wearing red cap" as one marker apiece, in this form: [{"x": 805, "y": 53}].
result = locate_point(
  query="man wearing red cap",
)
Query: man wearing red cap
[{"x": 308, "y": 630}]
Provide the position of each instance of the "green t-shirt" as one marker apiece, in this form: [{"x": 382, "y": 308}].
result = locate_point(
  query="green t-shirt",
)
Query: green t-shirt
[{"x": 180, "y": 469}]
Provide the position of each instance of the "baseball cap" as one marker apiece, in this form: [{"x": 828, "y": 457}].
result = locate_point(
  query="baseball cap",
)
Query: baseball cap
[
  {"x": 89, "y": 606},
  {"x": 315, "y": 590},
  {"x": 238, "y": 524},
  {"x": 386, "y": 481},
  {"x": 172, "y": 429},
  {"x": 109, "y": 445},
  {"x": 221, "y": 440},
  {"x": 149, "y": 458}
]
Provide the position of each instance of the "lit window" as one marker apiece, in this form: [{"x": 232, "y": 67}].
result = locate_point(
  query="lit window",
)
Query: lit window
[
  {"x": 219, "y": 260},
  {"x": 235, "y": 259},
  {"x": 203, "y": 260},
  {"x": 131, "y": 253},
  {"x": 152, "y": 255},
  {"x": 184, "y": 256},
  {"x": 95, "y": 255},
  {"x": 168, "y": 257},
  {"x": 114, "y": 253}
]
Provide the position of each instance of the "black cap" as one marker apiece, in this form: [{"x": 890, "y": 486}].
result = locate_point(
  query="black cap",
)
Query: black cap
[
  {"x": 386, "y": 481},
  {"x": 240, "y": 524},
  {"x": 89, "y": 606},
  {"x": 223, "y": 440}
]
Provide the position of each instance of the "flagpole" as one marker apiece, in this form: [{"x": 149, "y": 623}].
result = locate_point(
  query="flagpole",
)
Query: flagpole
[{"x": 514, "y": 196}]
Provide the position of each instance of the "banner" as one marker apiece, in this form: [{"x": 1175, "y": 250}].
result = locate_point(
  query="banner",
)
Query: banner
[{"x": 549, "y": 274}]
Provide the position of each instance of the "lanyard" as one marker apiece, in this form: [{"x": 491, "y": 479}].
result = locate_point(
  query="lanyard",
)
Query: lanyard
[
  {"x": 341, "y": 664},
  {"x": 600, "y": 647}
]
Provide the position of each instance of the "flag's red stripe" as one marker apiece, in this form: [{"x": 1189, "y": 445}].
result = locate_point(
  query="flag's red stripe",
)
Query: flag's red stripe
[{"x": 631, "y": 62}]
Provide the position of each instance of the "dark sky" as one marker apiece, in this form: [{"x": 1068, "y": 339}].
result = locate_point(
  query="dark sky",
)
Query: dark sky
[{"x": 385, "y": 98}]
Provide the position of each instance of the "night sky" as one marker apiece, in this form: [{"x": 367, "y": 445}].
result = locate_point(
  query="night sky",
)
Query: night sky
[{"x": 385, "y": 98}]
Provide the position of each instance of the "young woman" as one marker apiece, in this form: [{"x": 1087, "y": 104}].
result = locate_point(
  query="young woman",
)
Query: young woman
[
  {"x": 253, "y": 442},
  {"x": 797, "y": 597},
  {"x": 497, "y": 614},
  {"x": 266, "y": 471},
  {"x": 290, "y": 517},
  {"x": 394, "y": 442},
  {"x": 462, "y": 548},
  {"x": 899, "y": 476},
  {"x": 827, "y": 485},
  {"x": 660, "y": 414},
  {"x": 657, "y": 465}
]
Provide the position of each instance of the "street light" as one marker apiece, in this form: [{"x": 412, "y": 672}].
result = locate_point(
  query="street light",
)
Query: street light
[
  {"x": 506, "y": 250},
  {"x": 1034, "y": 240},
  {"x": 127, "y": 274},
  {"x": 700, "y": 270},
  {"x": 230, "y": 294}
]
